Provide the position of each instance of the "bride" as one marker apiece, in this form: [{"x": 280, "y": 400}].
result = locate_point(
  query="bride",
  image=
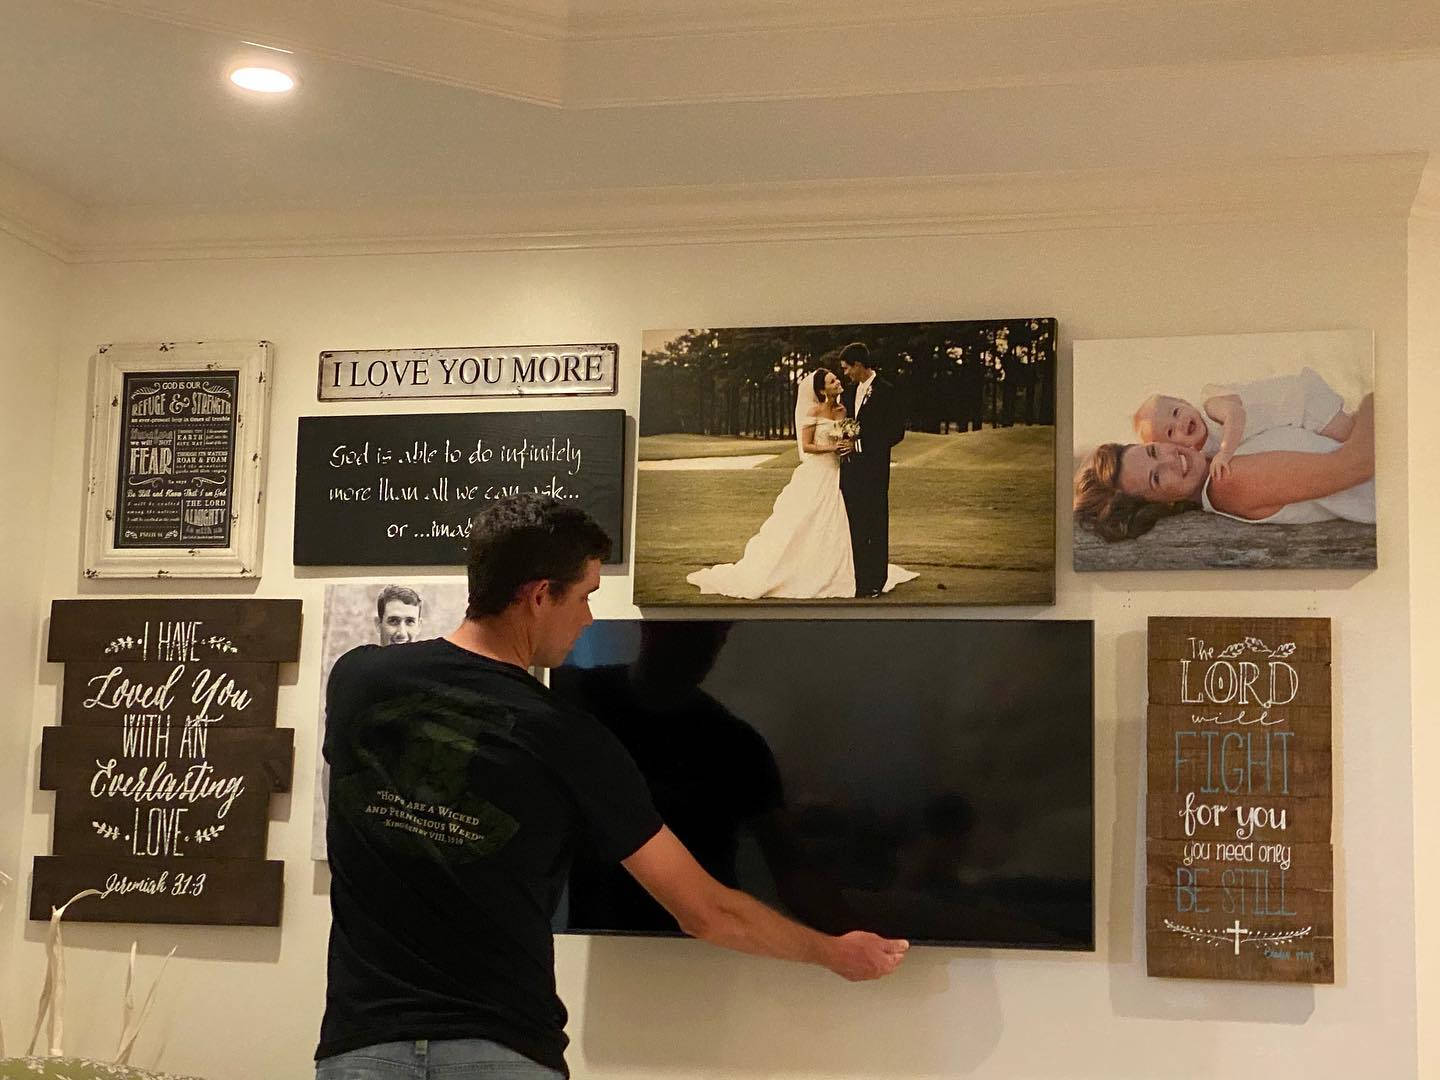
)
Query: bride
[{"x": 803, "y": 549}]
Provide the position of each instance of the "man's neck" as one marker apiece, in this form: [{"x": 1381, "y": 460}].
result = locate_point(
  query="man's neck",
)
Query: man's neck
[
  {"x": 495, "y": 637},
  {"x": 865, "y": 378}
]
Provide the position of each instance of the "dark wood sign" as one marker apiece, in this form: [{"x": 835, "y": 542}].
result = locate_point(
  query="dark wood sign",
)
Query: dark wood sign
[
  {"x": 166, "y": 758},
  {"x": 177, "y": 793},
  {"x": 217, "y": 892},
  {"x": 177, "y": 459},
  {"x": 401, "y": 490},
  {"x": 1239, "y": 877},
  {"x": 242, "y": 695},
  {"x": 165, "y": 631}
]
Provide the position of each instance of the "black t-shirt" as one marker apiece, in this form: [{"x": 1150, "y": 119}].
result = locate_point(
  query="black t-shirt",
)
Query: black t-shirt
[
  {"x": 712, "y": 777},
  {"x": 460, "y": 791}
]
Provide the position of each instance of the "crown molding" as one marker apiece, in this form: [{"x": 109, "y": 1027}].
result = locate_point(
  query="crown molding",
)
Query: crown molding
[
  {"x": 1074, "y": 45},
  {"x": 579, "y": 20},
  {"x": 1372, "y": 188},
  {"x": 441, "y": 41},
  {"x": 548, "y": 22},
  {"x": 587, "y": 54},
  {"x": 602, "y": 20}
]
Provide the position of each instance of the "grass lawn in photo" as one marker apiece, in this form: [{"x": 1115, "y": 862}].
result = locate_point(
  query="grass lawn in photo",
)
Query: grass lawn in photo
[{"x": 972, "y": 513}]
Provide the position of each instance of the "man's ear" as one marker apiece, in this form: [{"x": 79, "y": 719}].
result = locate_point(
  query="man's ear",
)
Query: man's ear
[{"x": 532, "y": 593}]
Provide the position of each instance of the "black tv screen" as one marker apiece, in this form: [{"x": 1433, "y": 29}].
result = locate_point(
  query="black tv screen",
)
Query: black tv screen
[{"x": 931, "y": 780}]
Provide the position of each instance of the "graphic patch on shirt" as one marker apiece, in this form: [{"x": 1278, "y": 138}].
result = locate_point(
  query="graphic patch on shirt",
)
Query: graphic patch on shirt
[
  {"x": 413, "y": 780},
  {"x": 481, "y": 833}
]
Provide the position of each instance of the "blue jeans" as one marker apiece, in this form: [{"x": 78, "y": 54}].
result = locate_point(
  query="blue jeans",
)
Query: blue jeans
[{"x": 442, "y": 1059}]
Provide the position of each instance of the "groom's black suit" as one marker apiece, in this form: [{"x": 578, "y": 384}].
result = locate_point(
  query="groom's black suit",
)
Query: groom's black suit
[{"x": 865, "y": 481}]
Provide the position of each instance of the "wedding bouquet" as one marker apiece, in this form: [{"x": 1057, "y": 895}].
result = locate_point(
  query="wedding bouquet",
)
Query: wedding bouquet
[{"x": 849, "y": 428}]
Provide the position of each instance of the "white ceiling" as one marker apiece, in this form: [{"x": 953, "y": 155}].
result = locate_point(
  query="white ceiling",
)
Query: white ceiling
[{"x": 121, "y": 103}]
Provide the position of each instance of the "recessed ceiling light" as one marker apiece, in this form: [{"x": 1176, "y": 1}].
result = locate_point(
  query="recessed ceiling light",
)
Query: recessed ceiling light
[{"x": 262, "y": 80}]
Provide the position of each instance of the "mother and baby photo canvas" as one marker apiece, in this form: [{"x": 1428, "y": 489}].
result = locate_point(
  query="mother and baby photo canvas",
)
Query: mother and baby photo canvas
[
  {"x": 867, "y": 464},
  {"x": 1237, "y": 451}
]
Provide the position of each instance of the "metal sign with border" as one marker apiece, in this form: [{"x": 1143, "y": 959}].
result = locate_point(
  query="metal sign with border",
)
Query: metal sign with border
[{"x": 470, "y": 371}]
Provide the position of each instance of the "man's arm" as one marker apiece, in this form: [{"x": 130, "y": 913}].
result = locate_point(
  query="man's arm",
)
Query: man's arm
[
  {"x": 710, "y": 911},
  {"x": 894, "y": 418}
]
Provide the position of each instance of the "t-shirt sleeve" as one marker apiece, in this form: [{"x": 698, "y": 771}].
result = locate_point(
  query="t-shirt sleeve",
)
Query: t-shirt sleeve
[
  {"x": 341, "y": 689},
  {"x": 607, "y": 786}
]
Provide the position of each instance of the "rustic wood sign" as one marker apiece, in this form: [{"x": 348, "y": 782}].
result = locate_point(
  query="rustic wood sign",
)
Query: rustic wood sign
[
  {"x": 401, "y": 489},
  {"x": 1240, "y": 878},
  {"x": 165, "y": 760},
  {"x": 487, "y": 371}
]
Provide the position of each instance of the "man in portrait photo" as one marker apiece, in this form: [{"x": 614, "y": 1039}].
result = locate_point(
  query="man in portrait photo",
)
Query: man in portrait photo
[{"x": 397, "y": 615}]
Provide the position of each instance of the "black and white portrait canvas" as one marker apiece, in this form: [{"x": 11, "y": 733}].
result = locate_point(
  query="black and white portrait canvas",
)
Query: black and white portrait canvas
[
  {"x": 1246, "y": 450},
  {"x": 897, "y": 463},
  {"x": 387, "y": 613}
]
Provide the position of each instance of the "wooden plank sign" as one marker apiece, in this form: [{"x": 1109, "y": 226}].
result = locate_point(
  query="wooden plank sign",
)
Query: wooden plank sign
[
  {"x": 165, "y": 760},
  {"x": 216, "y": 892},
  {"x": 174, "y": 793},
  {"x": 1240, "y": 880},
  {"x": 167, "y": 631},
  {"x": 401, "y": 489}
]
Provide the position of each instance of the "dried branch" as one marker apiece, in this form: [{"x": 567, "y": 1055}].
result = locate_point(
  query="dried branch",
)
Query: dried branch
[
  {"x": 130, "y": 1030},
  {"x": 52, "y": 994}
]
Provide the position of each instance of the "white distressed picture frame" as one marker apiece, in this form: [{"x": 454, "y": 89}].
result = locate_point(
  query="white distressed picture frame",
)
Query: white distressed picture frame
[{"x": 242, "y": 558}]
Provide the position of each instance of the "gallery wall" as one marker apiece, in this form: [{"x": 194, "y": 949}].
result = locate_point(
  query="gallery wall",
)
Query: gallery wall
[
  {"x": 244, "y": 1003},
  {"x": 30, "y": 303}
]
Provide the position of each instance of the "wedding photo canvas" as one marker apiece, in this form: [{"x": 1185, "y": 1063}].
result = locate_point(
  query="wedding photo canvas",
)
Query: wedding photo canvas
[
  {"x": 869, "y": 464},
  {"x": 1234, "y": 451}
]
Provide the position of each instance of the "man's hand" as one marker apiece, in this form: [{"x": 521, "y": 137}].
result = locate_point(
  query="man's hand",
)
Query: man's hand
[{"x": 861, "y": 955}]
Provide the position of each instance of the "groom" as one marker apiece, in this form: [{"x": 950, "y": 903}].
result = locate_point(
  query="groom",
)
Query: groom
[{"x": 865, "y": 471}]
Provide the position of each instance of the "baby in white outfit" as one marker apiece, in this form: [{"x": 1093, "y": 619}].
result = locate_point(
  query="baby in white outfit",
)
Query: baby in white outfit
[{"x": 1241, "y": 410}]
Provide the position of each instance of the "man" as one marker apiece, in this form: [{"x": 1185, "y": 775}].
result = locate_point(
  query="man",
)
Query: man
[
  {"x": 397, "y": 615},
  {"x": 865, "y": 469},
  {"x": 461, "y": 789}
]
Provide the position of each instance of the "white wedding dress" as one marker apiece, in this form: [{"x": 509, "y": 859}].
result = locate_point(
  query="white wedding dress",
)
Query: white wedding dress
[{"x": 802, "y": 552}]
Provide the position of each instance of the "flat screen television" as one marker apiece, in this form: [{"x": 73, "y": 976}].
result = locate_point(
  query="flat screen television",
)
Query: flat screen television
[{"x": 931, "y": 780}]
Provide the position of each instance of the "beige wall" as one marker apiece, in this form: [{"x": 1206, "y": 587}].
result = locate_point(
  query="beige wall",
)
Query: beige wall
[
  {"x": 245, "y": 1003},
  {"x": 30, "y": 303},
  {"x": 1425, "y": 624}
]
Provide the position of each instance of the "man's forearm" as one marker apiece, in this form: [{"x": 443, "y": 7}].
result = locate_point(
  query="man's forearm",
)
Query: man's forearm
[
  {"x": 738, "y": 921},
  {"x": 708, "y": 910}
]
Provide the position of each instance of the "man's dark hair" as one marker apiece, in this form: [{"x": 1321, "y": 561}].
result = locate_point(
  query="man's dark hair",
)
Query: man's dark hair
[
  {"x": 857, "y": 352},
  {"x": 528, "y": 538},
  {"x": 403, "y": 593}
]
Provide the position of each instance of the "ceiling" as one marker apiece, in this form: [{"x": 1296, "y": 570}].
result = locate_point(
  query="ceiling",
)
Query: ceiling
[{"x": 121, "y": 104}]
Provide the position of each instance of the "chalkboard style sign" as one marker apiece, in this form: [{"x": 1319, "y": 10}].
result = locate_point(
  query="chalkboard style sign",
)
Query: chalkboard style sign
[
  {"x": 176, "y": 460},
  {"x": 165, "y": 760},
  {"x": 1240, "y": 874},
  {"x": 401, "y": 490}
]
